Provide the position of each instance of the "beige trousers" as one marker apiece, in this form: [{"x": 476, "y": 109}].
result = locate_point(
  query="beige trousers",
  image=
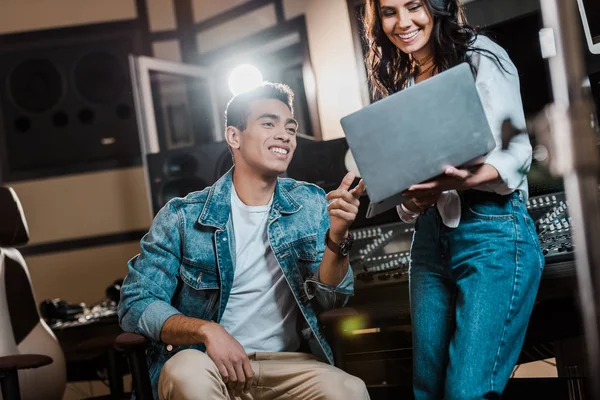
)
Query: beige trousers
[{"x": 191, "y": 374}]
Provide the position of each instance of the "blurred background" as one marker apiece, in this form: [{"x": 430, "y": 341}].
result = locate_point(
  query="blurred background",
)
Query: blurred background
[{"x": 110, "y": 108}]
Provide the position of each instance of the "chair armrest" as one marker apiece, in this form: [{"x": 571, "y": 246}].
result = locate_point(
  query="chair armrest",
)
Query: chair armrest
[
  {"x": 135, "y": 346},
  {"x": 23, "y": 361},
  {"x": 127, "y": 342}
]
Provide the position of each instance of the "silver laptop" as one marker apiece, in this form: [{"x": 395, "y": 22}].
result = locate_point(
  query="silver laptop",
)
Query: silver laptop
[{"x": 411, "y": 136}]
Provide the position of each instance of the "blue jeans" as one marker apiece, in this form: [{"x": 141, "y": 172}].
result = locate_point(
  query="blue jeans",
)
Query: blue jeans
[{"x": 472, "y": 290}]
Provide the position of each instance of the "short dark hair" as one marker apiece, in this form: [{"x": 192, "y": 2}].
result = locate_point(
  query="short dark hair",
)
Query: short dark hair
[{"x": 238, "y": 108}]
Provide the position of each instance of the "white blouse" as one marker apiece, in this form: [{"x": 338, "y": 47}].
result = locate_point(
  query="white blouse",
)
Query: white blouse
[{"x": 501, "y": 98}]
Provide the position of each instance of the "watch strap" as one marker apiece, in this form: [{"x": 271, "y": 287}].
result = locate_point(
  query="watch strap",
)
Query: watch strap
[{"x": 331, "y": 244}]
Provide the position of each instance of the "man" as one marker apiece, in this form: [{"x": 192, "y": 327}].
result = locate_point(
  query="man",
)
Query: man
[{"x": 230, "y": 279}]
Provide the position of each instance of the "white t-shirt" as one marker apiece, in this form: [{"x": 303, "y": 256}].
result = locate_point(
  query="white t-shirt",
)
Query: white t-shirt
[{"x": 261, "y": 312}]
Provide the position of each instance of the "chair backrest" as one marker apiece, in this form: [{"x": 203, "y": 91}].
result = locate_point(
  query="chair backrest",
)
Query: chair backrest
[
  {"x": 8, "y": 344},
  {"x": 13, "y": 225},
  {"x": 22, "y": 331},
  {"x": 13, "y": 231}
]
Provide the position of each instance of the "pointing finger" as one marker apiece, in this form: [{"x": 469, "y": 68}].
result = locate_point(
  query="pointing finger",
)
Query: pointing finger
[
  {"x": 358, "y": 189},
  {"x": 347, "y": 181}
]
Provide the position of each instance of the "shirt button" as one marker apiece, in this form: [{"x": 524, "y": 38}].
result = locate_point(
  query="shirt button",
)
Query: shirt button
[
  {"x": 169, "y": 347},
  {"x": 224, "y": 239}
]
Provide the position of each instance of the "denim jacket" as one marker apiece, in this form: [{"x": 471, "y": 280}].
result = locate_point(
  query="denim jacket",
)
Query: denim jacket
[{"x": 187, "y": 261}]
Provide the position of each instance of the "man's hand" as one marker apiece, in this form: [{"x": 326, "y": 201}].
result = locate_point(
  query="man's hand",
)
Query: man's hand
[
  {"x": 454, "y": 179},
  {"x": 229, "y": 357},
  {"x": 343, "y": 207}
]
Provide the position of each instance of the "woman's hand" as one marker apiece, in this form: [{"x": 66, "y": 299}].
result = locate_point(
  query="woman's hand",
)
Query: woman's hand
[
  {"x": 453, "y": 179},
  {"x": 421, "y": 204}
]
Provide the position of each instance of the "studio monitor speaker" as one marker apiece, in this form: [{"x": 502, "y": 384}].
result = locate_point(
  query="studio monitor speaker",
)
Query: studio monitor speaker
[
  {"x": 176, "y": 173},
  {"x": 66, "y": 100},
  {"x": 320, "y": 162}
]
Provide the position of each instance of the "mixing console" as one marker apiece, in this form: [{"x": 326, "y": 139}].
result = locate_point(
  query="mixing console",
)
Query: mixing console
[
  {"x": 381, "y": 253},
  {"x": 553, "y": 226}
]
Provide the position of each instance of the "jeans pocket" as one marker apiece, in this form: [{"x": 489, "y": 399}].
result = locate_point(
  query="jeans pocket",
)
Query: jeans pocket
[{"x": 491, "y": 210}]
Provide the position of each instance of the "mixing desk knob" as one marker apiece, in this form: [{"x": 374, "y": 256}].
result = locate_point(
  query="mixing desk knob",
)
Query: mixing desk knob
[{"x": 569, "y": 247}]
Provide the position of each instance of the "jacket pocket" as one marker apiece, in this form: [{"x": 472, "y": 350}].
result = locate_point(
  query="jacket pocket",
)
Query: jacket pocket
[
  {"x": 199, "y": 292},
  {"x": 197, "y": 276},
  {"x": 305, "y": 248}
]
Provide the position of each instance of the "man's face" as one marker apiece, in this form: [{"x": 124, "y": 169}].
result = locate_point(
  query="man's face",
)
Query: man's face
[{"x": 267, "y": 144}]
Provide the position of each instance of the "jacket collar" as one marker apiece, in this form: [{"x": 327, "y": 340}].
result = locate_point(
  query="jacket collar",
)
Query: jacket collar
[{"x": 217, "y": 207}]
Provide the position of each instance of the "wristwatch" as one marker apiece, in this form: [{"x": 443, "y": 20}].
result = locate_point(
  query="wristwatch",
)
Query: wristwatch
[{"x": 343, "y": 248}]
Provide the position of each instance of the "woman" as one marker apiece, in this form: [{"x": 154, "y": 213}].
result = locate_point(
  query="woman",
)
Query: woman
[{"x": 476, "y": 260}]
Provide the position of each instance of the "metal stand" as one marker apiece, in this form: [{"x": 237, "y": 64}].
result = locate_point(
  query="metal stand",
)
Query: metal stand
[
  {"x": 9, "y": 382},
  {"x": 566, "y": 130}
]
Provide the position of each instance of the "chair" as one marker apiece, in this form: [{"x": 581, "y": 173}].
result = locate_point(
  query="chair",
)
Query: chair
[
  {"x": 134, "y": 346},
  {"x": 32, "y": 364}
]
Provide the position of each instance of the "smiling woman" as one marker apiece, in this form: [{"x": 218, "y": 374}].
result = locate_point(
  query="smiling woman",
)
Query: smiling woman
[
  {"x": 404, "y": 41},
  {"x": 408, "y": 26},
  {"x": 476, "y": 265}
]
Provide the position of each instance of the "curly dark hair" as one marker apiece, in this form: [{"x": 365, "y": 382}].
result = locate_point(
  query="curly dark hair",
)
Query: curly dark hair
[{"x": 390, "y": 69}]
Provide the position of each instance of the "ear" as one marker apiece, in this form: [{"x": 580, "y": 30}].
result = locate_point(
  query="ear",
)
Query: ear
[{"x": 232, "y": 135}]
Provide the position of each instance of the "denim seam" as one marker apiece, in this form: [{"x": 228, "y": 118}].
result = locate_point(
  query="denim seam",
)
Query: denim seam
[
  {"x": 180, "y": 220},
  {"x": 511, "y": 305},
  {"x": 203, "y": 266},
  {"x": 181, "y": 237},
  {"x": 288, "y": 245},
  {"x": 534, "y": 239},
  {"x": 211, "y": 304},
  {"x": 195, "y": 282},
  {"x": 506, "y": 217}
]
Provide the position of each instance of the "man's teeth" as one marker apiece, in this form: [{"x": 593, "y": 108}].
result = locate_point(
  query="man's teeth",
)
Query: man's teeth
[
  {"x": 279, "y": 150},
  {"x": 409, "y": 35}
]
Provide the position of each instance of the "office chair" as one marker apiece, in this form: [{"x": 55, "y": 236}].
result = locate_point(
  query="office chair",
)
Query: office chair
[
  {"x": 32, "y": 364},
  {"x": 134, "y": 346}
]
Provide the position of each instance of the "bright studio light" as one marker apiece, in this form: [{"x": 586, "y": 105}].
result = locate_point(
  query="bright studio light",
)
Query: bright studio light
[{"x": 244, "y": 78}]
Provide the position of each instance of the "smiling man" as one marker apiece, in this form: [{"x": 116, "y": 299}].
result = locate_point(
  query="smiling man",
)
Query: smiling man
[{"x": 230, "y": 279}]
